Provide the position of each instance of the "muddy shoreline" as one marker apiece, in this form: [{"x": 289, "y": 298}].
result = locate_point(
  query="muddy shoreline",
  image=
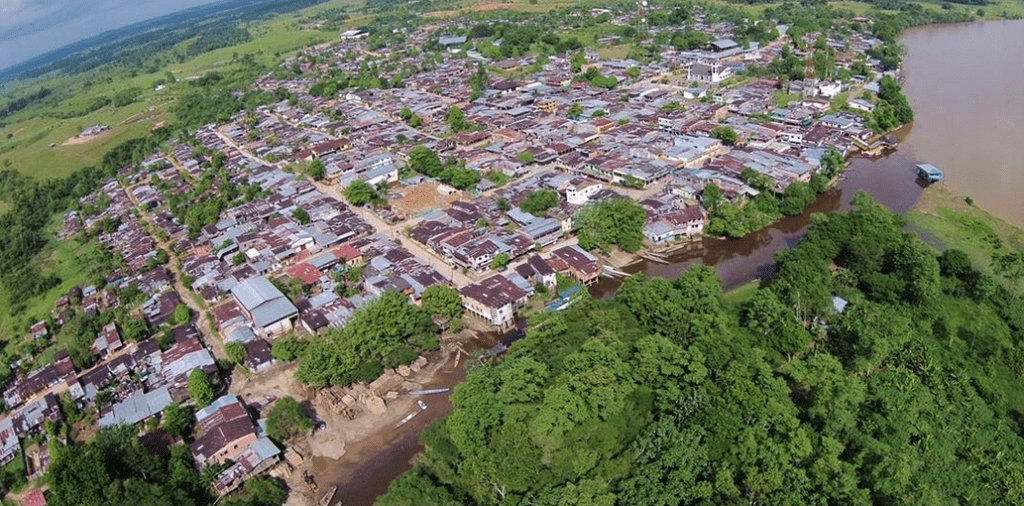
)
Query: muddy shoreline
[{"x": 368, "y": 466}]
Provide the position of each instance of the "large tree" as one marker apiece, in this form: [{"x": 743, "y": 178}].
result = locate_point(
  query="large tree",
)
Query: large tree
[
  {"x": 387, "y": 332},
  {"x": 442, "y": 301},
  {"x": 177, "y": 420},
  {"x": 200, "y": 388},
  {"x": 316, "y": 170},
  {"x": 425, "y": 161},
  {"x": 287, "y": 418},
  {"x": 360, "y": 193},
  {"x": 538, "y": 202},
  {"x": 605, "y": 223}
]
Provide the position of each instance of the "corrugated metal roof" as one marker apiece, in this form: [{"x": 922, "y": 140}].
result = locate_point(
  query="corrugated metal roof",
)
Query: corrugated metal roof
[
  {"x": 264, "y": 448},
  {"x": 273, "y": 312},
  {"x": 137, "y": 407},
  {"x": 255, "y": 291},
  {"x": 221, "y": 401}
]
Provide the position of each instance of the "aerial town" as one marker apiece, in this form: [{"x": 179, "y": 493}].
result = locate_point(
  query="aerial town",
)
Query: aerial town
[{"x": 285, "y": 219}]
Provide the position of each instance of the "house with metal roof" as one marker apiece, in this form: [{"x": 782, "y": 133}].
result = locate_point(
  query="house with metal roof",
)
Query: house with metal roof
[
  {"x": 9, "y": 446},
  {"x": 137, "y": 407},
  {"x": 451, "y": 40},
  {"x": 495, "y": 299},
  {"x": 268, "y": 308},
  {"x": 724, "y": 44},
  {"x": 257, "y": 457},
  {"x": 226, "y": 431}
]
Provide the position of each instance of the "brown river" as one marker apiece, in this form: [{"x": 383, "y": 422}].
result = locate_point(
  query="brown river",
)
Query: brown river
[{"x": 966, "y": 84}]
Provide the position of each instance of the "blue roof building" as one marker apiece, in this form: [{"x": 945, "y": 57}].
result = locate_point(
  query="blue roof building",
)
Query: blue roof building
[{"x": 929, "y": 172}]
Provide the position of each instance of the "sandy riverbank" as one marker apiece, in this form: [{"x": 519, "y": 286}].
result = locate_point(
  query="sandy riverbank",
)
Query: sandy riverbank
[{"x": 362, "y": 422}]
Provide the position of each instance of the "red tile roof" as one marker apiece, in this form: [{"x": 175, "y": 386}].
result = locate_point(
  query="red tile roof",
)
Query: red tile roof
[
  {"x": 307, "y": 273},
  {"x": 36, "y": 498}
]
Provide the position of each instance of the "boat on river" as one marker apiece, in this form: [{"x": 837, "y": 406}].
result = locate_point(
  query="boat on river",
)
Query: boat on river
[
  {"x": 928, "y": 172},
  {"x": 328, "y": 497}
]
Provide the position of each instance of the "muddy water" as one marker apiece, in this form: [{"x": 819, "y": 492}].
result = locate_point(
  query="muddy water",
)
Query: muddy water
[
  {"x": 361, "y": 482},
  {"x": 393, "y": 456},
  {"x": 966, "y": 84},
  {"x": 889, "y": 179}
]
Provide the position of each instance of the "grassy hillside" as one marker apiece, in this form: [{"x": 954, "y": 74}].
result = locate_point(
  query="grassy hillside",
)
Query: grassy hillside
[{"x": 26, "y": 140}]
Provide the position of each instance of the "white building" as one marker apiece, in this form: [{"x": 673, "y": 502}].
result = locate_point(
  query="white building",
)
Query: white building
[
  {"x": 579, "y": 194},
  {"x": 495, "y": 299},
  {"x": 829, "y": 89},
  {"x": 713, "y": 72}
]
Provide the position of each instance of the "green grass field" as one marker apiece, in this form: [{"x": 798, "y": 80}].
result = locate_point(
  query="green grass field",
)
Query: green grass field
[
  {"x": 34, "y": 155},
  {"x": 34, "y": 131},
  {"x": 65, "y": 259},
  {"x": 948, "y": 218}
]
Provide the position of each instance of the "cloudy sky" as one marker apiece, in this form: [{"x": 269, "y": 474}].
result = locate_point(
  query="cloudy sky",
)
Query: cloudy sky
[{"x": 32, "y": 27}]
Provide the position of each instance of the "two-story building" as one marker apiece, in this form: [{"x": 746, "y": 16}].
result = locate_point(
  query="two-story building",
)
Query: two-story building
[{"x": 495, "y": 299}]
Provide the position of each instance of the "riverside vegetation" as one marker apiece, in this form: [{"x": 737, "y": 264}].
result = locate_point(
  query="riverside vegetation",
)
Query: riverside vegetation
[{"x": 665, "y": 395}]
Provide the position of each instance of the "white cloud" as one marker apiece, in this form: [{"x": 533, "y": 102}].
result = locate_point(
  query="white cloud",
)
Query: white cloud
[
  {"x": 22, "y": 17},
  {"x": 31, "y": 27}
]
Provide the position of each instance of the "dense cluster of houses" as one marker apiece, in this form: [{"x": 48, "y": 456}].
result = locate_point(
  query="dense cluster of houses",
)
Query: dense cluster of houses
[
  {"x": 137, "y": 381},
  {"x": 286, "y": 255}
]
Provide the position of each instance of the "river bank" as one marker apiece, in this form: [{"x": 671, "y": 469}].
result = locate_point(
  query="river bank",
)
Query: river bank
[
  {"x": 375, "y": 453},
  {"x": 947, "y": 220},
  {"x": 964, "y": 87}
]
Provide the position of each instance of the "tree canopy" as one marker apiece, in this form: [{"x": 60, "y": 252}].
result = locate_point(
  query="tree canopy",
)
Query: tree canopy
[
  {"x": 115, "y": 468},
  {"x": 425, "y": 161},
  {"x": 442, "y": 301},
  {"x": 669, "y": 395},
  {"x": 236, "y": 352},
  {"x": 538, "y": 202},
  {"x": 384, "y": 333},
  {"x": 200, "y": 388},
  {"x": 286, "y": 419},
  {"x": 605, "y": 223},
  {"x": 360, "y": 193},
  {"x": 177, "y": 420},
  {"x": 725, "y": 134},
  {"x": 316, "y": 170}
]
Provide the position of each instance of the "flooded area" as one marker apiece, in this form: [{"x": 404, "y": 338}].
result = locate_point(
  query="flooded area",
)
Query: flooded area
[{"x": 966, "y": 85}]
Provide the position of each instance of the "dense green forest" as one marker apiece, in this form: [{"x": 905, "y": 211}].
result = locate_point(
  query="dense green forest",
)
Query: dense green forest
[{"x": 666, "y": 394}]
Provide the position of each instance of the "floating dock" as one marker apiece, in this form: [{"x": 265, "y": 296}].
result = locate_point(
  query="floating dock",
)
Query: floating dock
[{"x": 928, "y": 172}]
